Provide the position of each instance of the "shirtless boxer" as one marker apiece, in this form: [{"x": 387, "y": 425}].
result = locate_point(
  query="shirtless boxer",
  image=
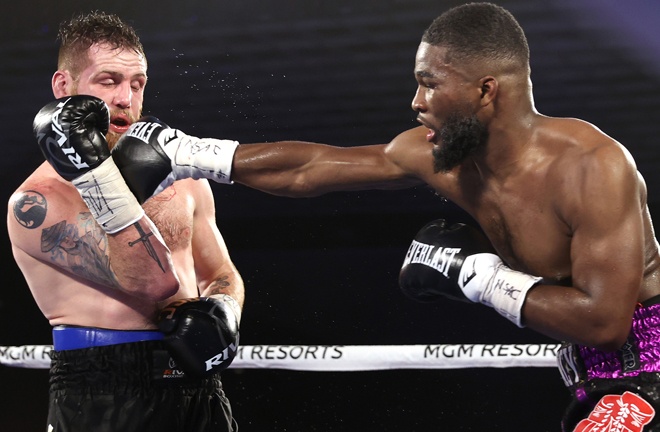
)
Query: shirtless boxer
[
  {"x": 126, "y": 288},
  {"x": 561, "y": 203}
]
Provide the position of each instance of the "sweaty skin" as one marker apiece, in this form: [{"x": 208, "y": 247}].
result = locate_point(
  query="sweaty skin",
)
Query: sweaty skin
[
  {"x": 79, "y": 275},
  {"x": 556, "y": 196}
]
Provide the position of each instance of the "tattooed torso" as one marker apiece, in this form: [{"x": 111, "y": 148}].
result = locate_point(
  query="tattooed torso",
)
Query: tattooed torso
[{"x": 63, "y": 253}]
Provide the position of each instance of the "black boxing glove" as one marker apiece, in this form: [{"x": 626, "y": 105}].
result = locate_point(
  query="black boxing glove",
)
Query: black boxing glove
[
  {"x": 201, "y": 333},
  {"x": 457, "y": 261},
  {"x": 142, "y": 162},
  {"x": 151, "y": 156},
  {"x": 71, "y": 135}
]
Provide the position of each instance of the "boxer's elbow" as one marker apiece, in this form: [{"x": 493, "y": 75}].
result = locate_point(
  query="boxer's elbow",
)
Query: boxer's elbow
[
  {"x": 160, "y": 292},
  {"x": 153, "y": 288},
  {"x": 608, "y": 334}
]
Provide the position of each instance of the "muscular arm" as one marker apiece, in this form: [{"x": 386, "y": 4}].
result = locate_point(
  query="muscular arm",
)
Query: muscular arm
[
  {"x": 216, "y": 273},
  {"x": 297, "y": 169},
  {"x": 142, "y": 262},
  {"x": 604, "y": 213},
  {"x": 48, "y": 222}
]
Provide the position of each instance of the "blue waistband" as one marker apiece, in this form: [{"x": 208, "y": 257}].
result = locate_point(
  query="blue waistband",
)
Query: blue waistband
[{"x": 71, "y": 338}]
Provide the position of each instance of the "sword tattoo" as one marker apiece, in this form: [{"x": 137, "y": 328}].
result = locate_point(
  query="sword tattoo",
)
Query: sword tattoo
[{"x": 144, "y": 239}]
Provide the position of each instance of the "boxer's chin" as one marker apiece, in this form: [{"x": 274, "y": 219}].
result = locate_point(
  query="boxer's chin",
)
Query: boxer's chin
[{"x": 112, "y": 138}]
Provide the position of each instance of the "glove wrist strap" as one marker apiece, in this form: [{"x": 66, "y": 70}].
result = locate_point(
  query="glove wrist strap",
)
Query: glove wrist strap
[
  {"x": 108, "y": 197},
  {"x": 506, "y": 292},
  {"x": 197, "y": 158}
]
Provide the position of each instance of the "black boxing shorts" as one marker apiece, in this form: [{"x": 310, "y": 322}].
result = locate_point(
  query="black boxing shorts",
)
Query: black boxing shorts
[
  {"x": 128, "y": 387},
  {"x": 620, "y": 390}
]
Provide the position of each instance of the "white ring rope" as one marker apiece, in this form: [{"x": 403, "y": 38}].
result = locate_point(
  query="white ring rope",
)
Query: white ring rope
[{"x": 348, "y": 357}]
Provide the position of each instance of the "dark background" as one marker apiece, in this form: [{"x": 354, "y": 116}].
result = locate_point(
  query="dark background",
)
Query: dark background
[{"x": 323, "y": 270}]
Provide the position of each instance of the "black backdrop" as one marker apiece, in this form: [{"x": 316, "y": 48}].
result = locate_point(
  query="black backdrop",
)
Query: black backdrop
[{"x": 323, "y": 270}]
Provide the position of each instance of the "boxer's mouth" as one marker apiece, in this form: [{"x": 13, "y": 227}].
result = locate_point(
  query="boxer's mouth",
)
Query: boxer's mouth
[
  {"x": 431, "y": 133},
  {"x": 119, "y": 124}
]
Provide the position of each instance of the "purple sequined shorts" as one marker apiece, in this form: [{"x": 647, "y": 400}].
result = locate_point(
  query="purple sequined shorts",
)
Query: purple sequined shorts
[
  {"x": 591, "y": 374},
  {"x": 640, "y": 353}
]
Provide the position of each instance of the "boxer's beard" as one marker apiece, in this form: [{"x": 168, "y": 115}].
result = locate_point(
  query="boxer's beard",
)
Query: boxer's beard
[
  {"x": 460, "y": 136},
  {"x": 112, "y": 138}
]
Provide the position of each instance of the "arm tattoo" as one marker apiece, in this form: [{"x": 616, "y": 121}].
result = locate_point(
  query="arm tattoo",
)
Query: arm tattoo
[
  {"x": 144, "y": 239},
  {"x": 218, "y": 286},
  {"x": 30, "y": 209},
  {"x": 81, "y": 247},
  {"x": 217, "y": 290}
]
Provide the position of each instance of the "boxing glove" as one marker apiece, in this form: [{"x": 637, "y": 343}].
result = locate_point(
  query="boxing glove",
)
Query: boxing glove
[
  {"x": 458, "y": 262},
  {"x": 151, "y": 156},
  {"x": 201, "y": 334},
  {"x": 71, "y": 135}
]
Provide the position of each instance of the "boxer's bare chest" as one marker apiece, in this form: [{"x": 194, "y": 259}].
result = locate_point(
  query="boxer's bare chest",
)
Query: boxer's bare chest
[
  {"x": 521, "y": 219},
  {"x": 528, "y": 239},
  {"x": 172, "y": 212}
]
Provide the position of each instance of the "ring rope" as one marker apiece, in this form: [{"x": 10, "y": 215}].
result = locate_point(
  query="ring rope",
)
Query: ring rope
[{"x": 348, "y": 357}]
